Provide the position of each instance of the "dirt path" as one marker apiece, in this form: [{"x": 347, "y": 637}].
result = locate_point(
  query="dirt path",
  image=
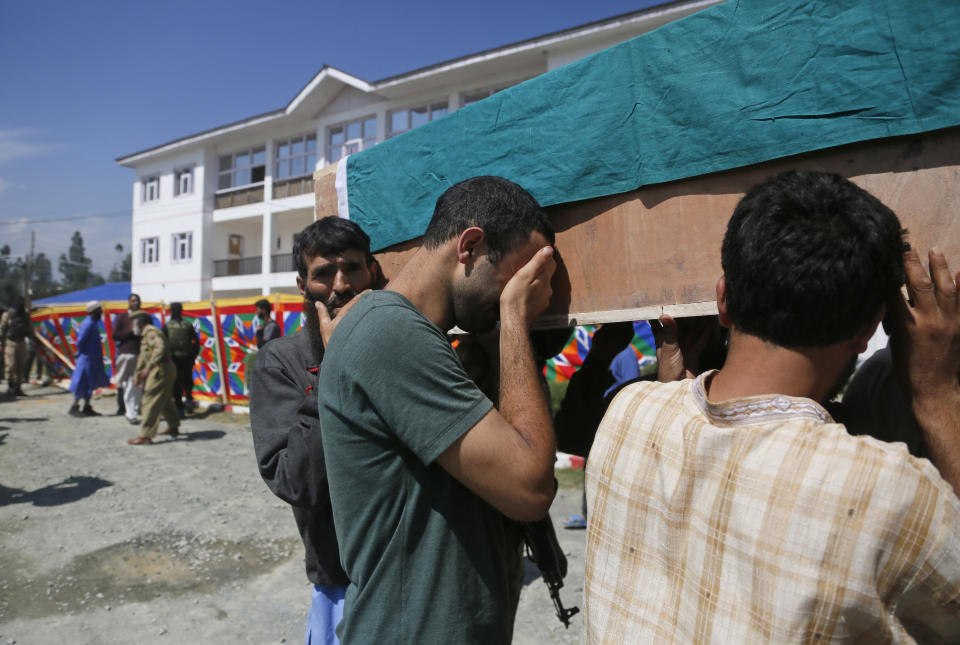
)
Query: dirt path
[{"x": 179, "y": 542}]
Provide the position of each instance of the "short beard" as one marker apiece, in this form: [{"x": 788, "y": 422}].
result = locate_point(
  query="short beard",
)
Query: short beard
[{"x": 312, "y": 328}]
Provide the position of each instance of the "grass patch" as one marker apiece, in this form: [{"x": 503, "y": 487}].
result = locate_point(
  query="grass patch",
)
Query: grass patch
[
  {"x": 569, "y": 478},
  {"x": 557, "y": 392}
]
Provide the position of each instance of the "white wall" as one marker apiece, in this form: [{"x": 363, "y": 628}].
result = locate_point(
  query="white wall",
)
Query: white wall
[{"x": 169, "y": 280}]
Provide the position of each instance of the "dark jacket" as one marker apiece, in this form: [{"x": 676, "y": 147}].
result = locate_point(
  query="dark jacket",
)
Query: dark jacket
[
  {"x": 127, "y": 342},
  {"x": 289, "y": 448},
  {"x": 268, "y": 331}
]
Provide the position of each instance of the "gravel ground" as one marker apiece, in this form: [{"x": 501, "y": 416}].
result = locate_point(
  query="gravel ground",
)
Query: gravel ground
[{"x": 178, "y": 542}]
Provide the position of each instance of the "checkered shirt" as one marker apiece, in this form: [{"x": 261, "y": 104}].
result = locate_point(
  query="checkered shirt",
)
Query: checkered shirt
[{"x": 760, "y": 520}]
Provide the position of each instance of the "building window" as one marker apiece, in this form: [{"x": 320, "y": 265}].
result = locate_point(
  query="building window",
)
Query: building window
[
  {"x": 149, "y": 250},
  {"x": 182, "y": 246},
  {"x": 242, "y": 168},
  {"x": 403, "y": 120},
  {"x": 351, "y": 137},
  {"x": 151, "y": 188},
  {"x": 296, "y": 157},
  {"x": 182, "y": 182}
]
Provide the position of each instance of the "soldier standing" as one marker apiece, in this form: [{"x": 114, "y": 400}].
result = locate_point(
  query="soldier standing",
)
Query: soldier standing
[
  {"x": 155, "y": 373},
  {"x": 14, "y": 329},
  {"x": 184, "y": 347}
]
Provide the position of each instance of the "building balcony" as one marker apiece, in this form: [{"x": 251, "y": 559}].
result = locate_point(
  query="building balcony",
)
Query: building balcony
[
  {"x": 238, "y": 266},
  {"x": 292, "y": 187},
  {"x": 281, "y": 263},
  {"x": 239, "y": 197}
]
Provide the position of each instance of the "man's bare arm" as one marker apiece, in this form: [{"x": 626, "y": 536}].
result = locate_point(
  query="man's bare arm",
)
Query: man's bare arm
[
  {"x": 507, "y": 457},
  {"x": 926, "y": 344}
]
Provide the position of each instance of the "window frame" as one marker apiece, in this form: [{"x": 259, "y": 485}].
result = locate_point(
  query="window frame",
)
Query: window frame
[
  {"x": 233, "y": 169},
  {"x": 178, "y": 175},
  {"x": 289, "y": 159},
  {"x": 151, "y": 182},
  {"x": 175, "y": 239},
  {"x": 154, "y": 247},
  {"x": 429, "y": 106},
  {"x": 363, "y": 143}
]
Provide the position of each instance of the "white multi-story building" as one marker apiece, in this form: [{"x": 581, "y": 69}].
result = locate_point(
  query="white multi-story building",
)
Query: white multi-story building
[{"x": 216, "y": 212}]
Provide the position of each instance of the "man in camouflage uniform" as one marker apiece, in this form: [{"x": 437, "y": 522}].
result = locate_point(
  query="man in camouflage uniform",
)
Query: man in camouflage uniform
[
  {"x": 184, "y": 347},
  {"x": 14, "y": 329},
  {"x": 155, "y": 373}
]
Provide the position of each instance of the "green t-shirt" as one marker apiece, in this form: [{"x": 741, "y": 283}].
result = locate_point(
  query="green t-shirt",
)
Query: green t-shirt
[{"x": 428, "y": 560}]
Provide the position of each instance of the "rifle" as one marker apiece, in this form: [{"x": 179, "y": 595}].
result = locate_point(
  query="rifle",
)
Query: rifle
[{"x": 544, "y": 550}]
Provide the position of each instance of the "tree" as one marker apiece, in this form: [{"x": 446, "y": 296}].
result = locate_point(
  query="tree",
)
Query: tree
[
  {"x": 74, "y": 266},
  {"x": 121, "y": 266},
  {"x": 11, "y": 276},
  {"x": 43, "y": 282}
]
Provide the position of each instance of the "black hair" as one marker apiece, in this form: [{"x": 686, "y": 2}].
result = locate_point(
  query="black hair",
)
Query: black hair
[
  {"x": 506, "y": 212},
  {"x": 809, "y": 259},
  {"x": 176, "y": 307},
  {"x": 328, "y": 236},
  {"x": 263, "y": 303},
  {"x": 134, "y": 294}
]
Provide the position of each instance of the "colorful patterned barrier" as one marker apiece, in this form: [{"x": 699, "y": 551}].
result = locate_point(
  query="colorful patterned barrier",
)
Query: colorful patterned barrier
[
  {"x": 226, "y": 328},
  {"x": 227, "y": 331},
  {"x": 565, "y": 364}
]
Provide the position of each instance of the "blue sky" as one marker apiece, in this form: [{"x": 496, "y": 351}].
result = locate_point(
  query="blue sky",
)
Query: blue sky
[{"x": 82, "y": 83}]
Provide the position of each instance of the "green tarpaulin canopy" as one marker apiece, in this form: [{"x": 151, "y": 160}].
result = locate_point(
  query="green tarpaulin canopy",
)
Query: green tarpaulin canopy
[{"x": 736, "y": 84}]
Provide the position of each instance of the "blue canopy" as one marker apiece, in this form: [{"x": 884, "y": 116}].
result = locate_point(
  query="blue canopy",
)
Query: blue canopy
[{"x": 102, "y": 292}]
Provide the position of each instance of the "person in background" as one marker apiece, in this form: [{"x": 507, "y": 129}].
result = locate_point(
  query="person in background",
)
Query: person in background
[
  {"x": 184, "y": 346},
  {"x": 334, "y": 264},
  {"x": 88, "y": 373},
  {"x": 155, "y": 373},
  {"x": 127, "y": 348},
  {"x": 268, "y": 329},
  {"x": 15, "y": 327}
]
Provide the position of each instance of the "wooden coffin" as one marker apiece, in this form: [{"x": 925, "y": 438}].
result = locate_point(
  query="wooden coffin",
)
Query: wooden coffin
[{"x": 657, "y": 249}]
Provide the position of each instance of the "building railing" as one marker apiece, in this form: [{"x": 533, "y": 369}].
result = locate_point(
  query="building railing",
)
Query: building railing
[
  {"x": 291, "y": 187},
  {"x": 237, "y": 266},
  {"x": 281, "y": 263},
  {"x": 239, "y": 197}
]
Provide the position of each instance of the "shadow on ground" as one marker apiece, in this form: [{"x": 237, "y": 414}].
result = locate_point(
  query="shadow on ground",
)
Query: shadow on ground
[
  {"x": 202, "y": 435},
  {"x": 69, "y": 490}
]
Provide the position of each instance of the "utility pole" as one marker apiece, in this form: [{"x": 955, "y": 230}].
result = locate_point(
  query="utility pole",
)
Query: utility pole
[{"x": 28, "y": 274}]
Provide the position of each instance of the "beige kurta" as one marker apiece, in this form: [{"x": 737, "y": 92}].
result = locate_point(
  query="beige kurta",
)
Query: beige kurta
[
  {"x": 760, "y": 520},
  {"x": 158, "y": 390}
]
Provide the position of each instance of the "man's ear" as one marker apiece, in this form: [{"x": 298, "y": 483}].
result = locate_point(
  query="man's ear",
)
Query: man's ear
[
  {"x": 302, "y": 286},
  {"x": 468, "y": 243},
  {"x": 722, "y": 302},
  {"x": 377, "y": 279}
]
